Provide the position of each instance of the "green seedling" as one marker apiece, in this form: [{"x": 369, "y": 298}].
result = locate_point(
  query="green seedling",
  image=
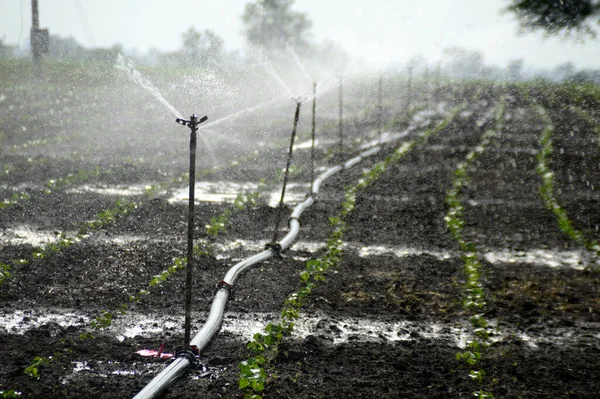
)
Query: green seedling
[
  {"x": 474, "y": 298},
  {"x": 547, "y": 189}
]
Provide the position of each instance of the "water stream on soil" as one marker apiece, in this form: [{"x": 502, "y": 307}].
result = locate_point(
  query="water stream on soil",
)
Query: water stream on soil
[
  {"x": 336, "y": 329},
  {"x": 574, "y": 259}
]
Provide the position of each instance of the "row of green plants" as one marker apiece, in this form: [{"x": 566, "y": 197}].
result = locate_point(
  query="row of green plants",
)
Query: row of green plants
[
  {"x": 547, "y": 188},
  {"x": 474, "y": 296},
  {"x": 255, "y": 372}
]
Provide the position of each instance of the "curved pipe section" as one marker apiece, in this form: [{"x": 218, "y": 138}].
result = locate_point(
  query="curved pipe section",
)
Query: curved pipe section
[{"x": 161, "y": 382}]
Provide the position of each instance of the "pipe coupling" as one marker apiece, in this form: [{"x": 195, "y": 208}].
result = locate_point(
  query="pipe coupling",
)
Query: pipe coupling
[
  {"x": 275, "y": 248},
  {"x": 224, "y": 284}
]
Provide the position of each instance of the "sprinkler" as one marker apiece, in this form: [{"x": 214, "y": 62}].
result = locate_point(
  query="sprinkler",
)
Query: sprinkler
[
  {"x": 193, "y": 125},
  {"x": 409, "y": 91},
  {"x": 340, "y": 125},
  {"x": 380, "y": 108},
  {"x": 273, "y": 245},
  {"x": 312, "y": 145}
]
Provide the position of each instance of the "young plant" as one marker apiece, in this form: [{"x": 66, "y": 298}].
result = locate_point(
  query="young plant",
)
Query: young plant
[{"x": 474, "y": 300}]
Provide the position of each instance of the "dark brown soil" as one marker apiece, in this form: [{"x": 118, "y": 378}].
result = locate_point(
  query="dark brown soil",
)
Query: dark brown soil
[{"x": 404, "y": 209}]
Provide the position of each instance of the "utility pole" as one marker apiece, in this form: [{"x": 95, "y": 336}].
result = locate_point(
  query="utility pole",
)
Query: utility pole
[{"x": 39, "y": 40}]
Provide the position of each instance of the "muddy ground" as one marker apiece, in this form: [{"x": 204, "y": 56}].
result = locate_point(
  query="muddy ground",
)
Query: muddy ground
[{"x": 401, "y": 270}]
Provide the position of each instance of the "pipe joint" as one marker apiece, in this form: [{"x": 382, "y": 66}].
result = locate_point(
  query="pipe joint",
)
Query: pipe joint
[
  {"x": 276, "y": 249},
  {"x": 225, "y": 285},
  {"x": 190, "y": 353}
]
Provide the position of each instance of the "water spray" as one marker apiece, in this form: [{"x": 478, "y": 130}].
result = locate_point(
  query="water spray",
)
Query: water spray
[
  {"x": 273, "y": 245},
  {"x": 193, "y": 125}
]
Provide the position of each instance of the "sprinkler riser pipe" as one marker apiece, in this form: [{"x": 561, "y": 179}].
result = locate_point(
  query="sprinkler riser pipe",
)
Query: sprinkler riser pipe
[
  {"x": 192, "y": 123},
  {"x": 287, "y": 172},
  {"x": 314, "y": 123},
  {"x": 380, "y": 107},
  {"x": 190, "y": 232},
  {"x": 341, "y": 129}
]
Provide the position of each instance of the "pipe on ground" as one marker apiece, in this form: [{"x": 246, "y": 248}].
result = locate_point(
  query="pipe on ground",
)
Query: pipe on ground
[{"x": 161, "y": 382}]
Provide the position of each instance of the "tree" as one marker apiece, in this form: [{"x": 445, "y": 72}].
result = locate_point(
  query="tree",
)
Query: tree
[
  {"x": 272, "y": 24},
  {"x": 202, "y": 48},
  {"x": 515, "y": 70},
  {"x": 557, "y": 17},
  {"x": 463, "y": 63}
]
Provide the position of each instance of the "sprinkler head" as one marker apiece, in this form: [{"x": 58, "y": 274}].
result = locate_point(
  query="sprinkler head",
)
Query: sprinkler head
[{"x": 193, "y": 122}]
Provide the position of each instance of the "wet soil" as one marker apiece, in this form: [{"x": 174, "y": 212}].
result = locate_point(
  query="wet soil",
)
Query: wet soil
[{"x": 417, "y": 275}]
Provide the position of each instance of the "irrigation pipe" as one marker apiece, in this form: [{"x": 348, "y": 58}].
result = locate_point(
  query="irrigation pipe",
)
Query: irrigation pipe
[{"x": 187, "y": 358}]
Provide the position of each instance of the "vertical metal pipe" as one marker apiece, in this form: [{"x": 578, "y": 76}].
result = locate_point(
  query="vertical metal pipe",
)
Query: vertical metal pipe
[
  {"x": 190, "y": 232},
  {"x": 287, "y": 171},
  {"x": 409, "y": 90},
  {"x": 426, "y": 84},
  {"x": 341, "y": 132},
  {"x": 312, "y": 147},
  {"x": 438, "y": 81},
  {"x": 380, "y": 107}
]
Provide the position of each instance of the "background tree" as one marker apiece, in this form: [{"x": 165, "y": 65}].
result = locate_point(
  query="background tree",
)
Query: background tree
[
  {"x": 463, "y": 63},
  {"x": 557, "y": 17},
  {"x": 202, "y": 48},
  {"x": 514, "y": 70},
  {"x": 272, "y": 24}
]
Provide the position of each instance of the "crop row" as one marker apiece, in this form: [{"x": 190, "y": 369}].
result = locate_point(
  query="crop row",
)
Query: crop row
[
  {"x": 254, "y": 373},
  {"x": 474, "y": 301},
  {"x": 547, "y": 189}
]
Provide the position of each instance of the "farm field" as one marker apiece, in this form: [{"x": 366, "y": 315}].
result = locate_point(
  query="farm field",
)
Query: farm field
[{"x": 460, "y": 259}]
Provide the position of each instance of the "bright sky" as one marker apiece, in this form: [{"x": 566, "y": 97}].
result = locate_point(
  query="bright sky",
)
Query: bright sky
[{"x": 381, "y": 31}]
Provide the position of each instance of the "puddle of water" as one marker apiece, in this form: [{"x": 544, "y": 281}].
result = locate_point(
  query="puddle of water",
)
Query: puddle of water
[
  {"x": 256, "y": 246},
  {"x": 242, "y": 326},
  {"x": 401, "y": 252},
  {"x": 210, "y": 191},
  {"x": 540, "y": 257},
  {"x": 294, "y": 194},
  {"x": 22, "y": 235},
  {"x": 305, "y": 145},
  {"x": 545, "y": 257},
  {"x": 21, "y": 321},
  {"x": 118, "y": 190},
  {"x": 102, "y": 369}
]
